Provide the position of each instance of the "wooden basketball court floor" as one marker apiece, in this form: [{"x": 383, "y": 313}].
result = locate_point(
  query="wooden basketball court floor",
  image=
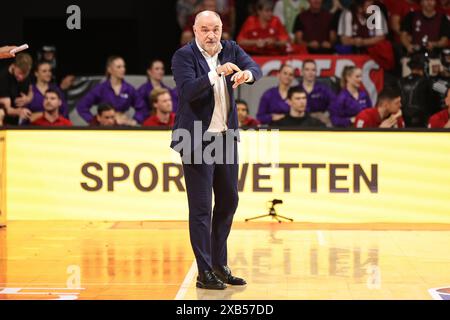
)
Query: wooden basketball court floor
[{"x": 153, "y": 260}]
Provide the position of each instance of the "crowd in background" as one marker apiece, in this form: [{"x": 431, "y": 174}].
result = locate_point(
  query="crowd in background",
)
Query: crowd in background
[{"x": 32, "y": 92}]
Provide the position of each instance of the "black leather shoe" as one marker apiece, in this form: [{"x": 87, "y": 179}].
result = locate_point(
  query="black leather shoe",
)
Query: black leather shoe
[
  {"x": 208, "y": 280},
  {"x": 224, "y": 274}
]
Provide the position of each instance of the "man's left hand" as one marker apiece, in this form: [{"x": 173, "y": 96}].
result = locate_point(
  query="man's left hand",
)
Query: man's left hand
[{"x": 239, "y": 78}]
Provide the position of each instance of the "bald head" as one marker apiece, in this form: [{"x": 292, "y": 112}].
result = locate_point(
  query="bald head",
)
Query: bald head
[
  {"x": 208, "y": 30},
  {"x": 207, "y": 16}
]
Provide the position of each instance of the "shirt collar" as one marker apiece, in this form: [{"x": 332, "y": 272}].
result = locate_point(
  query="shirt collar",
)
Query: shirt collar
[
  {"x": 52, "y": 122},
  {"x": 123, "y": 86},
  {"x": 206, "y": 54}
]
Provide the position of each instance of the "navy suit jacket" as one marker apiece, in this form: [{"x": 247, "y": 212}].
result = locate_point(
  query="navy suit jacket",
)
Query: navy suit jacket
[{"x": 195, "y": 92}]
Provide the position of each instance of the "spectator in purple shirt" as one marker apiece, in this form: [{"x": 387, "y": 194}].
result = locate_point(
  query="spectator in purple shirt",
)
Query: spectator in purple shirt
[
  {"x": 351, "y": 100},
  {"x": 155, "y": 73},
  {"x": 117, "y": 92},
  {"x": 297, "y": 116},
  {"x": 44, "y": 76},
  {"x": 319, "y": 95},
  {"x": 314, "y": 29},
  {"x": 273, "y": 105}
]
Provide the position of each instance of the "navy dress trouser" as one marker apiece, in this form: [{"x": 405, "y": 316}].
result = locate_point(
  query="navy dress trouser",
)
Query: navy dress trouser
[{"x": 209, "y": 229}]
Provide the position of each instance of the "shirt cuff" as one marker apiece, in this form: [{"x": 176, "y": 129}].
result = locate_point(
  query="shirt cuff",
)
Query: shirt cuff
[
  {"x": 250, "y": 76},
  {"x": 213, "y": 76}
]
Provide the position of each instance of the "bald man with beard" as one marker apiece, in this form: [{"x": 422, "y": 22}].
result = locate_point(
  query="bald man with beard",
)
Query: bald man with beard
[{"x": 206, "y": 71}]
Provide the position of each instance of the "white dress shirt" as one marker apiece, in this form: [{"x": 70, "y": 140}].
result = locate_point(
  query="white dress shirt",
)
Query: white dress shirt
[{"x": 221, "y": 98}]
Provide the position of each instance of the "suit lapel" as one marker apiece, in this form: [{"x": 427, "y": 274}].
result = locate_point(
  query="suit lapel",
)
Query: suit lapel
[
  {"x": 223, "y": 58},
  {"x": 200, "y": 57}
]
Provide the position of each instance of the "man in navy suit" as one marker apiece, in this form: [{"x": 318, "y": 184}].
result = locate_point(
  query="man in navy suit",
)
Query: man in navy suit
[{"x": 206, "y": 71}]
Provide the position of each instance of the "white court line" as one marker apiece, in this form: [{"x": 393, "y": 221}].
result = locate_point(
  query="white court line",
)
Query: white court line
[
  {"x": 20, "y": 284},
  {"x": 321, "y": 238},
  {"x": 187, "y": 281},
  {"x": 48, "y": 292},
  {"x": 16, "y": 289},
  {"x": 41, "y": 293}
]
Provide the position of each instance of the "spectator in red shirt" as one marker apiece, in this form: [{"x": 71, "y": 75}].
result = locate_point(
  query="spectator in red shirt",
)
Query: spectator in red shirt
[
  {"x": 314, "y": 29},
  {"x": 106, "y": 116},
  {"x": 404, "y": 7},
  {"x": 263, "y": 33},
  {"x": 428, "y": 24},
  {"x": 386, "y": 114},
  {"x": 51, "y": 116},
  {"x": 390, "y": 5},
  {"x": 162, "y": 104},
  {"x": 401, "y": 9},
  {"x": 245, "y": 120},
  {"x": 441, "y": 119},
  {"x": 444, "y": 7}
]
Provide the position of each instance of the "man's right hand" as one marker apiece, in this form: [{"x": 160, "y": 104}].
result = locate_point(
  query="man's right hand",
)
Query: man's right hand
[
  {"x": 326, "y": 44},
  {"x": 271, "y": 41},
  {"x": 123, "y": 120},
  {"x": 277, "y": 116},
  {"x": 5, "y": 52},
  {"x": 25, "y": 113},
  {"x": 389, "y": 122},
  {"x": 447, "y": 125},
  {"x": 22, "y": 101},
  {"x": 358, "y": 42},
  {"x": 227, "y": 69},
  {"x": 67, "y": 82},
  {"x": 410, "y": 49},
  {"x": 260, "y": 43}
]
